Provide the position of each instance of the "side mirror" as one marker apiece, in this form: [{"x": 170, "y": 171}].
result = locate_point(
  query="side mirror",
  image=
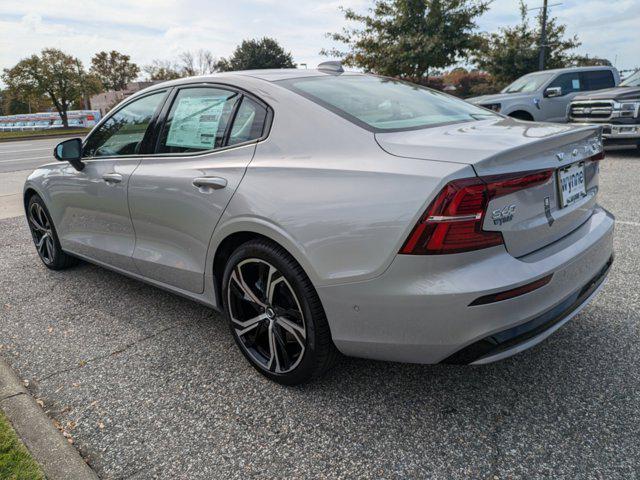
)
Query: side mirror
[
  {"x": 70, "y": 151},
  {"x": 553, "y": 92}
]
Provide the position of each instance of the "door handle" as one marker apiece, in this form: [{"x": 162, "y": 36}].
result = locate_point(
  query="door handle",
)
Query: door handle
[
  {"x": 211, "y": 182},
  {"x": 112, "y": 177}
]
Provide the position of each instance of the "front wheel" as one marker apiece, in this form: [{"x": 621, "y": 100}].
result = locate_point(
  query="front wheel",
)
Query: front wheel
[
  {"x": 275, "y": 315},
  {"x": 45, "y": 236}
]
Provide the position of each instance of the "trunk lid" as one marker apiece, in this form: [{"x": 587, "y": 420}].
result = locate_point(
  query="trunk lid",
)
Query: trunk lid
[{"x": 528, "y": 219}]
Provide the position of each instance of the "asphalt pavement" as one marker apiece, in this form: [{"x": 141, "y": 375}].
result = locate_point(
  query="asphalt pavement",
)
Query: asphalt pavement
[
  {"x": 27, "y": 154},
  {"x": 150, "y": 385},
  {"x": 17, "y": 160}
]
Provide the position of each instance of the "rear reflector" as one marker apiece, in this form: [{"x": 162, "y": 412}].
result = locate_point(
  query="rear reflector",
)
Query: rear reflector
[
  {"x": 453, "y": 221},
  {"x": 597, "y": 156},
  {"x": 514, "y": 292}
]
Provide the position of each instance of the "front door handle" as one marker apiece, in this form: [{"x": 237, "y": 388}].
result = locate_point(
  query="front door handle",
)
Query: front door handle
[
  {"x": 112, "y": 177},
  {"x": 211, "y": 182}
]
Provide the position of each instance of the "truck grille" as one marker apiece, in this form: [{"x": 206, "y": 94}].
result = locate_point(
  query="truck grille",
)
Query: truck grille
[{"x": 586, "y": 111}]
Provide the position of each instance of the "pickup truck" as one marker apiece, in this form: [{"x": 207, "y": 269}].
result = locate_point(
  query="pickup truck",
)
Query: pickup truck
[
  {"x": 545, "y": 96},
  {"x": 616, "y": 109}
]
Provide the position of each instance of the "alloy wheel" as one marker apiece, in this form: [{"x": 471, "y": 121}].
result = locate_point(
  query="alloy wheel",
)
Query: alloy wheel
[
  {"x": 42, "y": 232},
  {"x": 266, "y": 316}
]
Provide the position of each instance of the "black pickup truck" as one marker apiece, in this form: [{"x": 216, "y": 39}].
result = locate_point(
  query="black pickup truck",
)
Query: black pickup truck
[{"x": 616, "y": 109}]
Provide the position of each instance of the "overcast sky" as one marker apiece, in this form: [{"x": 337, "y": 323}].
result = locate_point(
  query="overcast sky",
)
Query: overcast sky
[{"x": 148, "y": 29}]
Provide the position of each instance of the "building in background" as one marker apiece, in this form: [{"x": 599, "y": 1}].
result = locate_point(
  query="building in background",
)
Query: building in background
[{"x": 105, "y": 101}]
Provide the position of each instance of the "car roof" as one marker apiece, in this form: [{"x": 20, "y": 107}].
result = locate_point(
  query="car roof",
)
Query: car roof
[
  {"x": 269, "y": 75},
  {"x": 576, "y": 69}
]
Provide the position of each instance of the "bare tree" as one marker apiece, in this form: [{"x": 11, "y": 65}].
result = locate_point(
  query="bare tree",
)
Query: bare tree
[
  {"x": 201, "y": 63},
  {"x": 162, "y": 70}
]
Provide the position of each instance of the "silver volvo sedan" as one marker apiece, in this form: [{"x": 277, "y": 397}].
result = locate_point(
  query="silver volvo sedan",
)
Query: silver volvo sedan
[{"x": 325, "y": 211}]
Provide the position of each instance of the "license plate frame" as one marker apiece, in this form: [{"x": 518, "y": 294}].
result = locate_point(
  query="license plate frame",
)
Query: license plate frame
[{"x": 572, "y": 177}]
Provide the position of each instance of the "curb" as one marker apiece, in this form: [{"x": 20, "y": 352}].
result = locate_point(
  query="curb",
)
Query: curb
[{"x": 58, "y": 459}]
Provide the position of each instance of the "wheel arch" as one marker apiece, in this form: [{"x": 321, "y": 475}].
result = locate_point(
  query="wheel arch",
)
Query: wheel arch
[
  {"x": 521, "y": 114},
  {"x": 230, "y": 237},
  {"x": 27, "y": 194}
]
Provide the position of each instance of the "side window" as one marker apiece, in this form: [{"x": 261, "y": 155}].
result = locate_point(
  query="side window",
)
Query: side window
[
  {"x": 599, "y": 79},
  {"x": 122, "y": 132},
  {"x": 569, "y": 82},
  {"x": 198, "y": 120},
  {"x": 249, "y": 122}
]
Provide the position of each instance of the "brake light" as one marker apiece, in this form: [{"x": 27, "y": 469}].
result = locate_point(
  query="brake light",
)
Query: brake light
[{"x": 453, "y": 221}]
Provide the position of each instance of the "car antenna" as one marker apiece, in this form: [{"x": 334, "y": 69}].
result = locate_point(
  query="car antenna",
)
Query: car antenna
[{"x": 331, "y": 67}]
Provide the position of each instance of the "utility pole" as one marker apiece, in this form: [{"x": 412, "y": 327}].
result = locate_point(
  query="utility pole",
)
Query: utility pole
[
  {"x": 543, "y": 31},
  {"x": 543, "y": 36}
]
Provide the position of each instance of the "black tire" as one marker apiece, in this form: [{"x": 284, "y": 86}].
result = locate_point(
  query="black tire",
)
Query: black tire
[
  {"x": 276, "y": 281},
  {"x": 45, "y": 236}
]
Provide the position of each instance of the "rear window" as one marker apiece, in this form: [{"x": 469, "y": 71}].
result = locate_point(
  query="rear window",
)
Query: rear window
[
  {"x": 599, "y": 79},
  {"x": 382, "y": 104}
]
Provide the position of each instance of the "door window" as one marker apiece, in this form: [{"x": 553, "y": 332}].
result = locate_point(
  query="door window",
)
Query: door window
[
  {"x": 249, "y": 122},
  {"x": 569, "y": 82},
  {"x": 122, "y": 133},
  {"x": 599, "y": 79},
  {"x": 198, "y": 120}
]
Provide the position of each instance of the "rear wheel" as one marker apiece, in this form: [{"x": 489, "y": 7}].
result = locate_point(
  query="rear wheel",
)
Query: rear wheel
[
  {"x": 275, "y": 315},
  {"x": 45, "y": 236}
]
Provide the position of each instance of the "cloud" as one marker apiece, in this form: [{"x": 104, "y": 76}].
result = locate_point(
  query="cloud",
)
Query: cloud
[{"x": 149, "y": 29}]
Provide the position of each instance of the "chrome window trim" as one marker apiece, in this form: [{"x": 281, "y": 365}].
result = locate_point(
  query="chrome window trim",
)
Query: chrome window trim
[{"x": 171, "y": 92}]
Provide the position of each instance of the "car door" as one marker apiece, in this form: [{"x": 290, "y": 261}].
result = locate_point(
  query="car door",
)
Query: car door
[
  {"x": 94, "y": 220},
  {"x": 555, "y": 108},
  {"x": 177, "y": 196}
]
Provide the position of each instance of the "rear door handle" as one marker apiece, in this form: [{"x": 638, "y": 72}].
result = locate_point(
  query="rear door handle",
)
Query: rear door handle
[
  {"x": 112, "y": 177},
  {"x": 212, "y": 182}
]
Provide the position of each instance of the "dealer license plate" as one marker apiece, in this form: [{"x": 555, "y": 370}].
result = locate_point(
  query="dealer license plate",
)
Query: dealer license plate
[{"x": 571, "y": 184}]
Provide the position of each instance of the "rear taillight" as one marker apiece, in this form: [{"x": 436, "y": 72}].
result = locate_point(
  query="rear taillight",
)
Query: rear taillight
[{"x": 453, "y": 221}]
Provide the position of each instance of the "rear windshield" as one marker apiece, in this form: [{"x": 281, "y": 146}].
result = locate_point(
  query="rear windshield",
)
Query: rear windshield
[{"x": 382, "y": 104}]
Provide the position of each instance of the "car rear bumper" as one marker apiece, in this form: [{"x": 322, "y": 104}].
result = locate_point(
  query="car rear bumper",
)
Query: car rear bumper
[
  {"x": 419, "y": 310},
  {"x": 617, "y": 133}
]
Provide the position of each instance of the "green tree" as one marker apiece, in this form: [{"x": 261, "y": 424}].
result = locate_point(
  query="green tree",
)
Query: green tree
[
  {"x": 513, "y": 51},
  {"x": 408, "y": 38},
  {"x": 53, "y": 74},
  {"x": 257, "y": 54},
  {"x": 12, "y": 103},
  {"x": 114, "y": 69}
]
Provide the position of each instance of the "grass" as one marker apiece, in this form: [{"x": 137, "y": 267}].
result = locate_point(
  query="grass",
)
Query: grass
[
  {"x": 15, "y": 461},
  {"x": 44, "y": 133}
]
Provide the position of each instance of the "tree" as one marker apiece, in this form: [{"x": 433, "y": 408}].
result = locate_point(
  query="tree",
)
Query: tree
[
  {"x": 201, "y": 63},
  {"x": 408, "y": 38},
  {"x": 587, "y": 61},
  {"x": 257, "y": 54},
  {"x": 162, "y": 70},
  {"x": 513, "y": 51},
  {"x": 53, "y": 73},
  {"x": 114, "y": 69},
  {"x": 469, "y": 83},
  {"x": 12, "y": 103}
]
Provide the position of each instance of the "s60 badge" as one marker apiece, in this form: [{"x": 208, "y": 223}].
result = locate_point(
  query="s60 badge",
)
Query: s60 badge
[{"x": 503, "y": 215}]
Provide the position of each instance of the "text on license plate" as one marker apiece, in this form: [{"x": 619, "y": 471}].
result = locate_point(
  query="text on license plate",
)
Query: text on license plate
[{"x": 571, "y": 184}]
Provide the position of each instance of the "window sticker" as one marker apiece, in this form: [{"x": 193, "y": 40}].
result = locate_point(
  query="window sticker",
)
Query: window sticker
[
  {"x": 195, "y": 122},
  {"x": 575, "y": 83}
]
